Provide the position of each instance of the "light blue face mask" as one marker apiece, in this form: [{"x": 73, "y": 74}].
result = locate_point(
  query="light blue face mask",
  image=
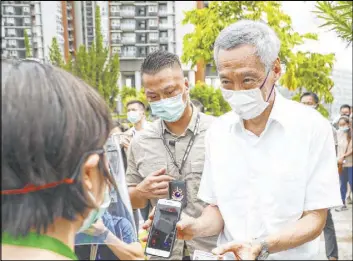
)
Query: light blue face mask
[
  {"x": 95, "y": 214},
  {"x": 134, "y": 116},
  {"x": 169, "y": 110}
]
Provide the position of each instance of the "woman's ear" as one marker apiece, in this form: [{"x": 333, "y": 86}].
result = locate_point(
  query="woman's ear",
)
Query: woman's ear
[{"x": 90, "y": 172}]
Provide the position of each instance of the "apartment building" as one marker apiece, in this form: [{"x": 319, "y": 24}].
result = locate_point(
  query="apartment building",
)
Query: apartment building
[{"x": 42, "y": 21}]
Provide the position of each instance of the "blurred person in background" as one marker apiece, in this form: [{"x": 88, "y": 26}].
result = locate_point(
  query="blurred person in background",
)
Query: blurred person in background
[
  {"x": 345, "y": 110},
  {"x": 344, "y": 157},
  {"x": 312, "y": 100},
  {"x": 53, "y": 167}
]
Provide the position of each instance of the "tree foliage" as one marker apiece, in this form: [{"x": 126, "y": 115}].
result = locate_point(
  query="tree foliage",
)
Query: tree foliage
[
  {"x": 55, "y": 55},
  {"x": 94, "y": 64},
  {"x": 27, "y": 45},
  {"x": 302, "y": 69},
  {"x": 338, "y": 17},
  {"x": 211, "y": 99}
]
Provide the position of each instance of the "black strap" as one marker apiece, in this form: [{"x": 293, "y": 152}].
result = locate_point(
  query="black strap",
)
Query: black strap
[{"x": 188, "y": 148}]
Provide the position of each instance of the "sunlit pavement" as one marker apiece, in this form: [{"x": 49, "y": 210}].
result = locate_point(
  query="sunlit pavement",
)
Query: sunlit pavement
[{"x": 343, "y": 226}]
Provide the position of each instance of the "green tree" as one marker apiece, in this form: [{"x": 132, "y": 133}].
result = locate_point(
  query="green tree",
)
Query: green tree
[
  {"x": 211, "y": 99},
  {"x": 208, "y": 22},
  {"x": 27, "y": 45},
  {"x": 55, "y": 55},
  {"x": 93, "y": 65},
  {"x": 337, "y": 16}
]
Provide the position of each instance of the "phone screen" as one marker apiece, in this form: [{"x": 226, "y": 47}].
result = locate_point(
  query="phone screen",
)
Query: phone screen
[{"x": 163, "y": 232}]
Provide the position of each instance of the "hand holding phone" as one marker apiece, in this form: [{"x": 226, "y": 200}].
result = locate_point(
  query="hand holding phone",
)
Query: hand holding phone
[{"x": 163, "y": 232}]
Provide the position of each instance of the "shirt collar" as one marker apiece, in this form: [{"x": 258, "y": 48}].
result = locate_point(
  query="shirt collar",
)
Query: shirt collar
[{"x": 191, "y": 125}]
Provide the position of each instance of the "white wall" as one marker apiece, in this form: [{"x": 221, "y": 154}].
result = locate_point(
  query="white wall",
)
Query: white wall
[
  {"x": 181, "y": 30},
  {"x": 49, "y": 10}
]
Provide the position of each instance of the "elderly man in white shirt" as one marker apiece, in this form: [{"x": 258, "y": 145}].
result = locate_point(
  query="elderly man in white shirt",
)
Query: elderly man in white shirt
[{"x": 270, "y": 170}]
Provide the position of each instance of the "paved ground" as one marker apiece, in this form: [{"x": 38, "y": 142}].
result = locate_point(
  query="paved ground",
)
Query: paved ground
[{"x": 343, "y": 226}]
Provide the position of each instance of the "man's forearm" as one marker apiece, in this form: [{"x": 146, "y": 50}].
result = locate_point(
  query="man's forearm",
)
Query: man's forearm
[
  {"x": 210, "y": 223},
  {"x": 137, "y": 200},
  {"x": 304, "y": 230},
  {"x": 124, "y": 251}
]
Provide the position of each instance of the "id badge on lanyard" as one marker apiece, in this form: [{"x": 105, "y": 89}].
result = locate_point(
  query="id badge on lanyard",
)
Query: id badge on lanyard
[{"x": 177, "y": 189}]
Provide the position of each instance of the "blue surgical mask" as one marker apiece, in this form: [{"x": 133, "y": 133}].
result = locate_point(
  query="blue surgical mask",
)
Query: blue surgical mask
[
  {"x": 169, "y": 110},
  {"x": 95, "y": 214},
  {"x": 134, "y": 116},
  {"x": 344, "y": 129}
]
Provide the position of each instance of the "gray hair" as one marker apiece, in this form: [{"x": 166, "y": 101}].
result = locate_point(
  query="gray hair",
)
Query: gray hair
[{"x": 255, "y": 33}]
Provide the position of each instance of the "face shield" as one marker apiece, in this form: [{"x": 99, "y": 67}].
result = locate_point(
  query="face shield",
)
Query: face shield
[{"x": 117, "y": 223}]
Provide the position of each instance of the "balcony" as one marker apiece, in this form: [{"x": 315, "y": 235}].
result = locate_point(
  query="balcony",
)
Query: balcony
[
  {"x": 163, "y": 39},
  {"x": 25, "y": 11},
  {"x": 129, "y": 40},
  {"x": 116, "y": 41},
  {"x": 11, "y": 33},
  {"x": 71, "y": 39},
  {"x": 70, "y": 28},
  {"x": 152, "y": 25},
  {"x": 115, "y": 13},
  {"x": 9, "y": 11},
  {"x": 14, "y": 54},
  {"x": 128, "y": 27},
  {"x": 127, "y": 13},
  {"x": 129, "y": 54},
  {"x": 152, "y": 40},
  {"x": 115, "y": 26},
  {"x": 164, "y": 26},
  {"x": 69, "y": 17},
  {"x": 68, "y": 7},
  {"x": 12, "y": 44},
  {"x": 163, "y": 13}
]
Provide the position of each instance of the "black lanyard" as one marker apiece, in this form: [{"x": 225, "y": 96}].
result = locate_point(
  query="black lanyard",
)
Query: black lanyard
[{"x": 188, "y": 148}]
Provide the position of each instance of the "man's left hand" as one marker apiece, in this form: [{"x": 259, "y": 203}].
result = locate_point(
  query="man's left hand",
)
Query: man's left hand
[
  {"x": 241, "y": 251},
  {"x": 96, "y": 229},
  {"x": 340, "y": 161}
]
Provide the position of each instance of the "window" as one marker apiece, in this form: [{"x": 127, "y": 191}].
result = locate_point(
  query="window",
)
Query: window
[
  {"x": 12, "y": 42},
  {"x": 128, "y": 8},
  {"x": 10, "y": 9},
  {"x": 115, "y": 36},
  {"x": 14, "y": 53},
  {"x": 27, "y": 20},
  {"x": 116, "y": 50},
  {"x": 152, "y": 9},
  {"x": 131, "y": 49},
  {"x": 153, "y": 22},
  {"x": 164, "y": 21},
  {"x": 25, "y": 9},
  {"x": 11, "y": 31},
  {"x": 164, "y": 47},
  {"x": 164, "y": 34},
  {"x": 115, "y": 22},
  {"x": 153, "y": 36},
  {"x": 153, "y": 48},
  {"x": 10, "y": 20}
]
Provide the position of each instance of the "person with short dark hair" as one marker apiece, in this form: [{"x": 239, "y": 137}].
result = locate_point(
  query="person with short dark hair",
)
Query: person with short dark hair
[
  {"x": 198, "y": 105},
  {"x": 172, "y": 147},
  {"x": 136, "y": 114},
  {"x": 345, "y": 110},
  {"x": 53, "y": 165},
  {"x": 311, "y": 99}
]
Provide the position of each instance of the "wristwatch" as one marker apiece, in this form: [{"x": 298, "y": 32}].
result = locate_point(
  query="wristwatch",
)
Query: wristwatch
[{"x": 264, "y": 253}]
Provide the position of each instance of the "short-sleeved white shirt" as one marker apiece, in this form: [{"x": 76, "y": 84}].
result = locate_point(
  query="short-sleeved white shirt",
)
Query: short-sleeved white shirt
[{"x": 263, "y": 184}]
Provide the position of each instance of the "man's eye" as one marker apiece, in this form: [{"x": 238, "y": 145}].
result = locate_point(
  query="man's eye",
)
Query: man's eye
[
  {"x": 170, "y": 92},
  {"x": 247, "y": 80},
  {"x": 225, "y": 82}
]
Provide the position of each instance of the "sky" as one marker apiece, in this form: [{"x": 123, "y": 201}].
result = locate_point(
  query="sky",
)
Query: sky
[{"x": 304, "y": 21}]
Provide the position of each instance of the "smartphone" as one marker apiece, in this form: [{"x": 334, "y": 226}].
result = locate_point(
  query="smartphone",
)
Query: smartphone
[{"x": 163, "y": 232}]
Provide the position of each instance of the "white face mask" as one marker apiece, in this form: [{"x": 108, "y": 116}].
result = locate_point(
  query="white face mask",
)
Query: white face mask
[
  {"x": 95, "y": 214},
  {"x": 248, "y": 104}
]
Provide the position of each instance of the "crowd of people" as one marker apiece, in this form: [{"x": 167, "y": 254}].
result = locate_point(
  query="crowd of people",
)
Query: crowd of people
[{"x": 258, "y": 184}]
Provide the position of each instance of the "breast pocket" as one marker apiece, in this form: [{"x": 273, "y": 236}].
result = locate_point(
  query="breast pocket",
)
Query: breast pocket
[
  {"x": 286, "y": 193},
  {"x": 148, "y": 167},
  {"x": 193, "y": 179}
]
